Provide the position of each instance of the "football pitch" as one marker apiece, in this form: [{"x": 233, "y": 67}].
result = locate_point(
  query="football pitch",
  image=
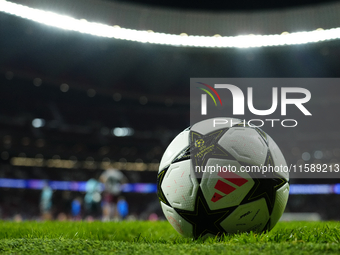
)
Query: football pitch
[{"x": 142, "y": 237}]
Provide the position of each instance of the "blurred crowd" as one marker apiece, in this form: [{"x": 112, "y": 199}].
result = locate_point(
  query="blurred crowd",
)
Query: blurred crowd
[
  {"x": 102, "y": 200},
  {"x": 97, "y": 204}
]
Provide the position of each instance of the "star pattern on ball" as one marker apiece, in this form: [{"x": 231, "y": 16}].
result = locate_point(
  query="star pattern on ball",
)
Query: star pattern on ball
[
  {"x": 266, "y": 187},
  {"x": 203, "y": 147},
  {"x": 160, "y": 192},
  {"x": 205, "y": 221},
  {"x": 266, "y": 184}
]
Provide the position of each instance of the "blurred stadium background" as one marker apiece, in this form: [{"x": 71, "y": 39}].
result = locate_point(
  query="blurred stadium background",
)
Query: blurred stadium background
[{"x": 73, "y": 104}]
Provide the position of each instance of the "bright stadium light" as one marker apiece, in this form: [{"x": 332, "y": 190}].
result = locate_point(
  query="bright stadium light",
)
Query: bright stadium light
[
  {"x": 124, "y": 131},
  {"x": 38, "y": 123},
  {"x": 102, "y": 30}
]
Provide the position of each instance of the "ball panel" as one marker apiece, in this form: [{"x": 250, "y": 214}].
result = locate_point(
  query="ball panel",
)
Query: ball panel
[
  {"x": 177, "y": 145},
  {"x": 252, "y": 216},
  {"x": 280, "y": 204},
  {"x": 278, "y": 157},
  {"x": 207, "y": 126},
  {"x": 179, "y": 224},
  {"x": 245, "y": 144},
  {"x": 180, "y": 186},
  {"x": 222, "y": 189}
]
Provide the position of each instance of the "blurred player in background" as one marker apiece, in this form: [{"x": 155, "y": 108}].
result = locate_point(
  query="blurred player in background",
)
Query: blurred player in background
[
  {"x": 112, "y": 180},
  {"x": 92, "y": 198},
  {"x": 76, "y": 208},
  {"x": 122, "y": 208},
  {"x": 46, "y": 201}
]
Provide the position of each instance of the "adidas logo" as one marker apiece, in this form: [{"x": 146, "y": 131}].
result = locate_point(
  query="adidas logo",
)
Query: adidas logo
[{"x": 226, "y": 188}]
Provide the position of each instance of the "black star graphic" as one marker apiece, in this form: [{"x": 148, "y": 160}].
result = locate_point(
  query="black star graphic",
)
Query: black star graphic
[
  {"x": 204, "y": 220},
  {"x": 160, "y": 193},
  {"x": 265, "y": 186},
  {"x": 203, "y": 147}
]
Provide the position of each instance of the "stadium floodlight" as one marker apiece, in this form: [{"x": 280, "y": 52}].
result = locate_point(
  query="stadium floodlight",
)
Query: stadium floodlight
[
  {"x": 124, "y": 131},
  {"x": 38, "y": 123},
  {"x": 102, "y": 30}
]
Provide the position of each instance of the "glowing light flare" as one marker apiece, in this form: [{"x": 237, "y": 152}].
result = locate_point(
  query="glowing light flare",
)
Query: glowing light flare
[
  {"x": 124, "y": 131},
  {"x": 102, "y": 30},
  {"x": 38, "y": 123}
]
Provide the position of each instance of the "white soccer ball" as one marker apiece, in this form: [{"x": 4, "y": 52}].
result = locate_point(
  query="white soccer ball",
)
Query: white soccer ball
[{"x": 230, "y": 178}]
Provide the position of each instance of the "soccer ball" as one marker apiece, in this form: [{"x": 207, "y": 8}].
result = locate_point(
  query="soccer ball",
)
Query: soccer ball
[{"x": 222, "y": 179}]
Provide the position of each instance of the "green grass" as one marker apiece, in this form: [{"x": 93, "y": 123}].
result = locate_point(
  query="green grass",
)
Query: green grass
[{"x": 160, "y": 238}]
